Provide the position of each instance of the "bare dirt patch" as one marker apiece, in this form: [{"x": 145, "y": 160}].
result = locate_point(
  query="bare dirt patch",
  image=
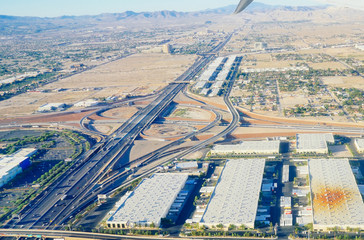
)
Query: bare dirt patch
[
  {"x": 167, "y": 130},
  {"x": 344, "y": 82},
  {"x": 327, "y": 65},
  {"x": 121, "y": 113},
  {"x": 292, "y": 99},
  {"x": 139, "y": 74},
  {"x": 191, "y": 113}
]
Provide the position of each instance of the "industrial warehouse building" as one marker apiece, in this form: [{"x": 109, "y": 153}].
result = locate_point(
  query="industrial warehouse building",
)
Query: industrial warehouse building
[
  {"x": 248, "y": 148},
  {"x": 211, "y": 81},
  {"x": 359, "y": 144},
  {"x": 314, "y": 143},
  {"x": 236, "y": 195},
  {"x": 336, "y": 198},
  {"x": 13, "y": 164},
  {"x": 149, "y": 202}
]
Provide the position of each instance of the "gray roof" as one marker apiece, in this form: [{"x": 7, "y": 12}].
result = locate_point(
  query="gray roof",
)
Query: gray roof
[
  {"x": 235, "y": 198},
  {"x": 151, "y": 200},
  {"x": 313, "y": 142}
]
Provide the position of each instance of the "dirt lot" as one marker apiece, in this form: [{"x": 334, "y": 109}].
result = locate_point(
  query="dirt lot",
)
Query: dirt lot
[
  {"x": 327, "y": 65},
  {"x": 167, "y": 130},
  {"x": 292, "y": 99},
  {"x": 344, "y": 82},
  {"x": 136, "y": 75},
  {"x": 121, "y": 113},
  {"x": 191, "y": 113}
]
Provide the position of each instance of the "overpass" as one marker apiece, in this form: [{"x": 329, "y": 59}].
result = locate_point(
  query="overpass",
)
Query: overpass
[{"x": 60, "y": 201}]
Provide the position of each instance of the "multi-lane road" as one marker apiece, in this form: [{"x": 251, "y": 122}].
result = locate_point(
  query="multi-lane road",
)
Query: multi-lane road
[{"x": 62, "y": 200}]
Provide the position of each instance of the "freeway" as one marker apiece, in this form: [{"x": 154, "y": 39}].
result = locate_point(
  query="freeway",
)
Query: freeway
[
  {"x": 316, "y": 128},
  {"x": 61, "y": 200},
  {"x": 118, "y": 179},
  {"x": 85, "y": 235}
]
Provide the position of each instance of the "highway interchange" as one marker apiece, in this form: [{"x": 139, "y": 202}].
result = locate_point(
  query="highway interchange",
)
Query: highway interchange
[
  {"x": 80, "y": 185},
  {"x": 90, "y": 175}
]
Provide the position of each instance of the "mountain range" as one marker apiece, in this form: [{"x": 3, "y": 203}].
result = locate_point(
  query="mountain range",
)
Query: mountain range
[{"x": 26, "y": 25}]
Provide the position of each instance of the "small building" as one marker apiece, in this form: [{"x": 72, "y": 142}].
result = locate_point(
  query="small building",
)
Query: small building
[
  {"x": 359, "y": 144},
  {"x": 314, "y": 143},
  {"x": 285, "y": 174},
  {"x": 51, "y": 107},
  {"x": 248, "y": 148},
  {"x": 286, "y": 202},
  {"x": 186, "y": 165},
  {"x": 167, "y": 48},
  {"x": 87, "y": 103}
]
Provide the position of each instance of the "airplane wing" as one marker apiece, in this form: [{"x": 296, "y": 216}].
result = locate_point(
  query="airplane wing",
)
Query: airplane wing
[{"x": 242, "y": 5}]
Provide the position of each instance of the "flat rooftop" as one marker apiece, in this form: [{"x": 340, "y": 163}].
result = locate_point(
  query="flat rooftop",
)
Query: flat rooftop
[
  {"x": 250, "y": 146},
  {"x": 313, "y": 142},
  {"x": 236, "y": 195},
  {"x": 151, "y": 200},
  {"x": 360, "y": 143},
  {"x": 336, "y": 197},
  {"x": 7, "y": 163}
]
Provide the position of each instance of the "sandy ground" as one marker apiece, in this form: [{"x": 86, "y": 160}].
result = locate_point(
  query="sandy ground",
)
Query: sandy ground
[
  {"x": 135, "y": 75},
  {"x": 191, "y": 113},
  {"x": 344, "y": 82},
  {"x": 289, "y": 100},
  {"x": 107, "y": 128},
  {"x": 327, "y": 65},
  {"x": 299, "y": 121},
  {"x": 167, "y": 130},
  {"x": 121, "y": 113}
]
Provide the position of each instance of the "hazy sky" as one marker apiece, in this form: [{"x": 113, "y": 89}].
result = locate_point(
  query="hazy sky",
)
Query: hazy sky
[{"x": 51, "y": 8}]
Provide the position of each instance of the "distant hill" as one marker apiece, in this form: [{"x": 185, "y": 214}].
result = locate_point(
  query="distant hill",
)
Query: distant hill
[{"x": 26, "y": 25}]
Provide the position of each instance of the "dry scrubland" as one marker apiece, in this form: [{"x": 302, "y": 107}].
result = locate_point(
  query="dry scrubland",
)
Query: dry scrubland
[{"x": 136, "y": 75}]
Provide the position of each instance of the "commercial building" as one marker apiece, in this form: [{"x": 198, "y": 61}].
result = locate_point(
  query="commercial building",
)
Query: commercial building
[
  {"x": 13, "y": 164},
  {"x": 149, "y": 202},
  {"x": 286, "y": 217},
  {"x": 248, "y": 148},
  {"x": 87, "y": 103},
  {"x": 236, "y": 195},
  {"x": 336, "y": 198},
  {"x": 186, "y": 165},
  {"x": 49, "y": 107},
  {"x": 359, "y": 144},
  {"x": 285, "y": 174},
  {"x": 313, "y": 143}
]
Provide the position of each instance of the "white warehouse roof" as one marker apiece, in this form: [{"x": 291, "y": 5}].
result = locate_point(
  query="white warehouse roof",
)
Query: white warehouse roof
[
  {"x": 150, "y": 201},
  {"x": 235, "y": 198},
  {"x": 248, "y": 147},
  {"x": 10, "y": 164},
  {"x": 336, "y": 197},
  {"x": 359, "y": 144},
  {"x": 313, "y": 142}
]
